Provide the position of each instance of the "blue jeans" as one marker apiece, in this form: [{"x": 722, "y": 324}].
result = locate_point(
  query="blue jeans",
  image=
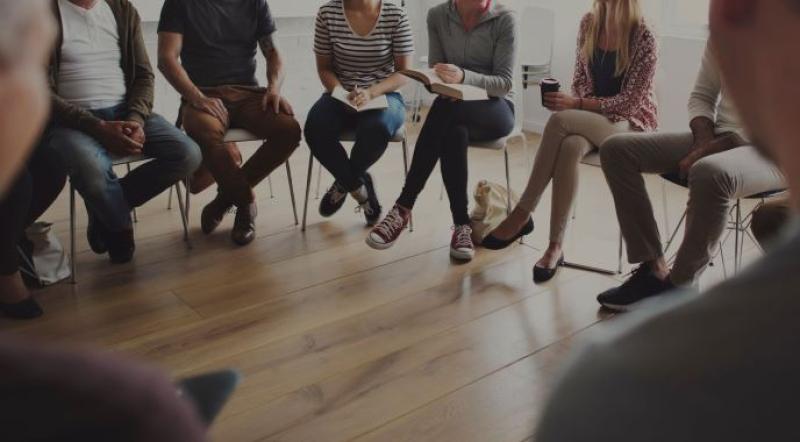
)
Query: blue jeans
[
  {"x": 374, "y": 129},
  {"x": 89, "y": 165}
]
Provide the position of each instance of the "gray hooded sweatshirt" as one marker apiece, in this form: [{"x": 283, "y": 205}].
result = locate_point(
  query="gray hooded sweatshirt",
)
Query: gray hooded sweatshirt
[{"x": 487, "y": 53}]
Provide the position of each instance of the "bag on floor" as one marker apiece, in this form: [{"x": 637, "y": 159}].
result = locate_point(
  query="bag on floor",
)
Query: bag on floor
[
  {"x": 50, "y": 262},
  {"x": 491, "y": 202}
]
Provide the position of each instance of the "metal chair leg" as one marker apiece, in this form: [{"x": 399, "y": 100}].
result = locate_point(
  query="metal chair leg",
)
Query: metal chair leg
[
  {"x": 405, "y": 172},
  {"x": 169, "y": 199},
  {"x": 508, "y": 182},
  {"x": 184, "y": 214},
  {"x": 319, "y": 181},
  {"x": 291, "y": 192},
  {"x": 308, "y": 190},
  {"x": 73, "y": 270},
  {"x": 738, "y": 246},
  {"x": 621, "y": 252},
  {"x": 675, "y": 232},
  {"x": 269, "y": 183},
  {"x": 135, "y": 216}
]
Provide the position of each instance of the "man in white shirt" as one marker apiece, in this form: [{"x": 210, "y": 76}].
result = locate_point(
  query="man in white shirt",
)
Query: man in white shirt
[
  {"x": 102, "y": 85},
  {"x": 717, "y": 163}
]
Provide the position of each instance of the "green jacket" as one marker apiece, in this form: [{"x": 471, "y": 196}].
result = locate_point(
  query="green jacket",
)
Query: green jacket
[{"x": 139, "y": 77}]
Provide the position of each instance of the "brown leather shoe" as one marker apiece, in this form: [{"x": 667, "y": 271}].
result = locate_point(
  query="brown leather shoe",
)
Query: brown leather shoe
[
  {"x": 213, "y": 213},
  {"x": 244, "y": 226}
]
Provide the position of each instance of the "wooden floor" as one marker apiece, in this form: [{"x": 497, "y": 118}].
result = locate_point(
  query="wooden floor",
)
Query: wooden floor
[{"x": 338, "y": 342}]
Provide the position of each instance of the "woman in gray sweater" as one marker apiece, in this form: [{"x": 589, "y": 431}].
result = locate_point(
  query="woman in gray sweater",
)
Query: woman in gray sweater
[{"x": 471, "y": 42}]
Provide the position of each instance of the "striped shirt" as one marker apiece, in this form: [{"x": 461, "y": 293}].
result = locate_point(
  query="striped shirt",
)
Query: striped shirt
[{"x": 362, "y": 60}]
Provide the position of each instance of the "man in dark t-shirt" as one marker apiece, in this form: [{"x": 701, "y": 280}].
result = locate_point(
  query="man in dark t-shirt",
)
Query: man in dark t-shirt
[{"x": 207, "y": 51}]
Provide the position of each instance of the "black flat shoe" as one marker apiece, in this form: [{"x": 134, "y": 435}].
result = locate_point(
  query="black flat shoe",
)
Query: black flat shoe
[
  {"x": 27, "y": 309},
  {"x": 542, "y": 275},
  {"x": 492, "y": 243}
]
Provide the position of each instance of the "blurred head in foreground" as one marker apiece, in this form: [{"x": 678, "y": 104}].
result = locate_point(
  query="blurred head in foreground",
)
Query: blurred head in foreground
[
  {"x": 757, "y": 45},
  {"x": 26, "y": 35}
]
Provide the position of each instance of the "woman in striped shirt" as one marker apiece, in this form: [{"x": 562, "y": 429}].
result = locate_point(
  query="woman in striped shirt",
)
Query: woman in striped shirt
[{"x": 360, "y": 47}]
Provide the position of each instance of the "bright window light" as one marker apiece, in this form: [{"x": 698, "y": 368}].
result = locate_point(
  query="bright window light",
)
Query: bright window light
[{"x": 686, "y": 17}]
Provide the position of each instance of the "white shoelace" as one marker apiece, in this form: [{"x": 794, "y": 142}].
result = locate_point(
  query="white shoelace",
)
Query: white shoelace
[
  {"x": 391, "y": 225},
  {"x": 366, "y": 208},
  {"x": 463, "y": 237}
]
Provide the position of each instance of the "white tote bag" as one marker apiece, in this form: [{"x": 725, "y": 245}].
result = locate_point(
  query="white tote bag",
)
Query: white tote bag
[
  {"x": 491, "y": 202},
  {"x": 49, "y": 260}
]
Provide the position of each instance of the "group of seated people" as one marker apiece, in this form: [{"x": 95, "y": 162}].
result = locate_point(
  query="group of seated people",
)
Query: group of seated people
[
  {"x": 716, "y": 367},
  {"x": 103, "y": 91}
]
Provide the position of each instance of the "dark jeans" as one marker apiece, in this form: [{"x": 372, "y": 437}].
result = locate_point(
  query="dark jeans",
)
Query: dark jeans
[
  {"x": 330, "y": 117},
  {"x": 37, "y": 187},
  {"x": 89, "y": 165},
  {"x": 245, "y": 111},
  {"x": 449, "y": 128}
]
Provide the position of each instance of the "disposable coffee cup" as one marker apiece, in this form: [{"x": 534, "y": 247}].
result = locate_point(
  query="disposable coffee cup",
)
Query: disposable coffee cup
[{"x": 549, "y": 85}]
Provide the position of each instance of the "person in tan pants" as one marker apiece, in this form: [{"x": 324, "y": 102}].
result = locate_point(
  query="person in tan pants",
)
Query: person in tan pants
[
  {"x": 719, "y": 166},
  {"x": 207, "y": 52},
  {"x": 612, "y": 92}
]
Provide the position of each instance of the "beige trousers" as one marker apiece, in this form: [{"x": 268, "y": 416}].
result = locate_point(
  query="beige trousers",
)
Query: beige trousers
[
  {"x": 714, "y": 183},
  {"x": 568, "y": 137}
]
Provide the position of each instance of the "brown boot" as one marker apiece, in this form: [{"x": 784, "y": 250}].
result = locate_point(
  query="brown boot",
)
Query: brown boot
[
  {"x": 244, "y": 226},
  {"x": 213, "y": 213}
]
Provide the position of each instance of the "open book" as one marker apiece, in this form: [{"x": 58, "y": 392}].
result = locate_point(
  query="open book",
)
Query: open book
[
  {"x": 376, "y": 103},
  {"x": 435, "y": 85}
]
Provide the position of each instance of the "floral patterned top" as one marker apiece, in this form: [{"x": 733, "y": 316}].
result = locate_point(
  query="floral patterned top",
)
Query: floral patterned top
[{"x": 636, "y": 102}]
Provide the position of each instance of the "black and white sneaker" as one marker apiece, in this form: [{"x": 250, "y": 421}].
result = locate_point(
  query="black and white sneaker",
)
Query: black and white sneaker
[
  {"x": 371, "y": 207},
  {"x": 642, "y": 285},
  {"x": 333, "y": 200}
]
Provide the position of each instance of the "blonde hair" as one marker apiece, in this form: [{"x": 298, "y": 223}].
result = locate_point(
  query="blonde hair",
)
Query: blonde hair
[{"x": 627, "y": 17}]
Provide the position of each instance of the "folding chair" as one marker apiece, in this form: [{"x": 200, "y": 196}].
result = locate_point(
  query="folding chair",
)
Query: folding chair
[
  {"x": 127, "y": 162},
  {"x": 593, "y": 160},
  {"x": 738, "y": 225}
]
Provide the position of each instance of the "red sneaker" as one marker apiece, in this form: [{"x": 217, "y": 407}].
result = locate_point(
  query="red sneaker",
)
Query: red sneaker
[
  {"x": 461, "y": 246},
  {"x": 386, "y": 233}
]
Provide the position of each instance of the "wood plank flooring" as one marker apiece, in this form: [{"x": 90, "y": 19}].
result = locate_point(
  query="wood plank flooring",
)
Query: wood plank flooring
[{"x": 338, "y": 342}]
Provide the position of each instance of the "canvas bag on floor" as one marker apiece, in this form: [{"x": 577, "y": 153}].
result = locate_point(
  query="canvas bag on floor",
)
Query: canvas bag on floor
[
  {"x": 491, "y": 202},
  {"x": 49, "y": 259}
]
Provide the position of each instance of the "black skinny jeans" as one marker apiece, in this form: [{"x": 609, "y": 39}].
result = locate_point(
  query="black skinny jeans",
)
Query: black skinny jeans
[
  {"x": 37, "y": 186},
  {"x": 446, "y": 135}
]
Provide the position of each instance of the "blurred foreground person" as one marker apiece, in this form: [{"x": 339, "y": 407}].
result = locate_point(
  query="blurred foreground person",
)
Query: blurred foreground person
[
  {"x": 722, "y": 366},
  {"x": 64, "y": 395}
]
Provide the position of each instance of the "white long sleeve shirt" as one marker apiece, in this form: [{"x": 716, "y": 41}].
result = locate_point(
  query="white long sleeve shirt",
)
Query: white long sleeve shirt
[{"x": 709, "y": 98}]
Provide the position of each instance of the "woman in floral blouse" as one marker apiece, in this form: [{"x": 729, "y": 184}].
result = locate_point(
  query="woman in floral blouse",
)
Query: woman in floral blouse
[{"x": 612, "y": 92}]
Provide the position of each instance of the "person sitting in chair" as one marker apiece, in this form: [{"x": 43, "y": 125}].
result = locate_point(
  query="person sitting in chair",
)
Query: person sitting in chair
[
  {"x": 472, "y": 42},
  {"x": 206, "y": 50},
  {"x": 362, "y": 59},
  {"x": 102, "y": 86},
  {"x": 719, "y": 165}
]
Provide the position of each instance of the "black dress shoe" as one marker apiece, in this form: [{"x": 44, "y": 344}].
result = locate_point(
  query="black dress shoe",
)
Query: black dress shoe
[
  {"x": 492, "y": 243},
  {"x": 96, "y": 234},
  {"x": 639, "y": 287},
  {"x": 212, "y": 214},
  {"x": 244, "y": 226},
  {"x": 121, "y": 246},
  {"x": 542, "y": 275},
  {"x": 27, "y": 309}
]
